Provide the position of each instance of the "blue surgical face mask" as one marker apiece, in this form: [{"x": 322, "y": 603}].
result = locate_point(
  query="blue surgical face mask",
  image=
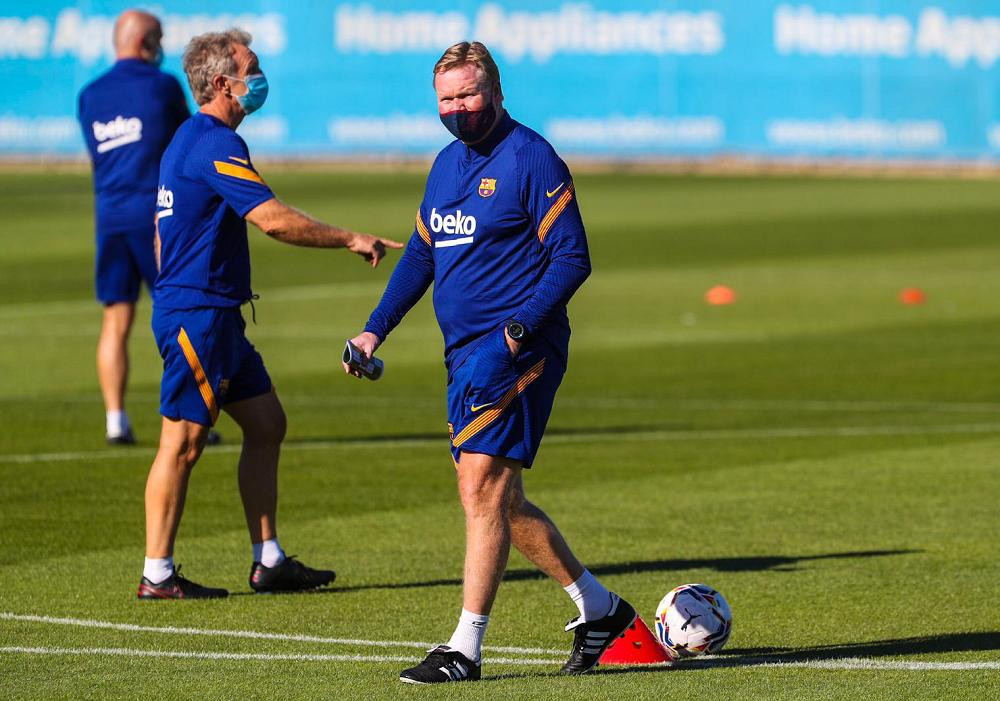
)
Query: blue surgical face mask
[{"x": 256, "y": 93}]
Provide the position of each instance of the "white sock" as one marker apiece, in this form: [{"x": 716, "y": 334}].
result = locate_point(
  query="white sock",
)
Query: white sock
[
  {"x": 590, "y": 596},
  {"x": 268, "y": 553},
  {"x": 468, "y": 635},
  {"x": 116, "y": 423},
  {"x": 158, "y": 569}
]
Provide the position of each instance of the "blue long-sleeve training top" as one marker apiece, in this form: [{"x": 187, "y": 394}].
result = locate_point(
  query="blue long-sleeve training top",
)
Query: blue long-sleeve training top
[
  {"x": 128, "y": 116},
  {"x": 499, "y": 233}
]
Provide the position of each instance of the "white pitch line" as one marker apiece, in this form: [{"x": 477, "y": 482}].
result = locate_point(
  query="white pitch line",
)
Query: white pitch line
[
  {"x": 850, "y": 663},
  {"x": 595, "y": 437},
  {"x": 291, "y": 637},
  {"x": 846, "y": 664}
]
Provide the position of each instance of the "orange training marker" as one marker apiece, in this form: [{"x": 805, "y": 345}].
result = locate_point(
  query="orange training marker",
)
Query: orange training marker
[
  {"x": 720, "y": 294},
  {"x": 912, "y": 295},
  {"x": 638, "y": 646}
]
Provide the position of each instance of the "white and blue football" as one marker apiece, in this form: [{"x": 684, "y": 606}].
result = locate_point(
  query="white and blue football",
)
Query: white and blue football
[{"x": 693, "y": 620}]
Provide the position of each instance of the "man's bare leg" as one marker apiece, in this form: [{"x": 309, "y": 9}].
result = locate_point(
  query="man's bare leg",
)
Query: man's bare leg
[
  {"x": 113, "y": 363},
  {"x": 537, "y": 538},
  {"x": 181, "y": 443},
  {"x": 603, "y": 615},
  {"x": 263, "y": 422},
  {"x": 485, "y": 484}
]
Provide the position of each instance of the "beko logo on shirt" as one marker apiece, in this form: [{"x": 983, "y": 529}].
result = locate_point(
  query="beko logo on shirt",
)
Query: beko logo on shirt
[
  {"x": 118, "y": 132},
  {"x": 164, "y": 199},
  {"x": 456, "y": 223}
]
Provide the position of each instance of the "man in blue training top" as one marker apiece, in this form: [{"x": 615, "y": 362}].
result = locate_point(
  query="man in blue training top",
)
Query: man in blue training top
[
  {"x": 128, "y": 116},
  {"x": 208, "y": 188},
  {"x": 499, "y": 234}
]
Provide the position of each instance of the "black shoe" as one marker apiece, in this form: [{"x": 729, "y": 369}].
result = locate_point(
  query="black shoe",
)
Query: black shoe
[
  {"x": 442, "y": 665},
  {"x": 213, "y": 437},
  {"x": 126, "y": 438},
  {"x": 288, "y": 575},
  {"x": 592, "y": 638},
  {"x": 177, "y": 587}
]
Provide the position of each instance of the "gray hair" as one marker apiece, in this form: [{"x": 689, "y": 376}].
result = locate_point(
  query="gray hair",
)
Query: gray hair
[{"x": 209, "y": 55}]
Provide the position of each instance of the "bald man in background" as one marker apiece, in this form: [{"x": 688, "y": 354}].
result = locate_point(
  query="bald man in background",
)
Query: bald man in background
[{"x": 128, "y": 116}]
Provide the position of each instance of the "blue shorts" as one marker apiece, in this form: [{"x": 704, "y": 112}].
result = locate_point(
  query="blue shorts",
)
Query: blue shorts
[
  {"x": 499, "y": 405},
  {"x": 207, "y": 362},
  {"x": 123, "y": 262}
]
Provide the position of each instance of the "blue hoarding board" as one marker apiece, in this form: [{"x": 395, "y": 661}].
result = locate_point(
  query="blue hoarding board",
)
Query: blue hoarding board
[{"x": 860, "y": 78}]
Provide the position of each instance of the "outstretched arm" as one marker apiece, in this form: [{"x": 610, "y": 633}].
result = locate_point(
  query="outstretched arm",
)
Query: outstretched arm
[
  {"x": 289, "y": 225},
  {"x": 232, "y": 175}
]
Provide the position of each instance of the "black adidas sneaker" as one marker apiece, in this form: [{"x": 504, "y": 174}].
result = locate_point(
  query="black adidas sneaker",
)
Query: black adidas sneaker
[
  {"x": 288, "y": 575},
  {"x": 591, "y": 638},
  {"x": 178, "y": 587},
  {"x": 442, "y": 665}
]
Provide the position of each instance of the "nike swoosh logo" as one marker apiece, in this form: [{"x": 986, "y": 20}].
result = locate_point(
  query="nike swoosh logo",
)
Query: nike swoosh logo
[
  {"x": 549, "y": 194},
  {"x": 481, "y": 406}
]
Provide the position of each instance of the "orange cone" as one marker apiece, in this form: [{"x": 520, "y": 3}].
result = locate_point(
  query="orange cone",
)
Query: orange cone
[
  {"x": 912, "y": 295},
  {"x": 638, "y": 646},
  {"x": 720, "y": 295}
]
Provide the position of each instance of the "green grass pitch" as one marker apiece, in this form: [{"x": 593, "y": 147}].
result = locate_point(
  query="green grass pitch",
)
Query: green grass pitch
[{"x": 822, "y": 454}]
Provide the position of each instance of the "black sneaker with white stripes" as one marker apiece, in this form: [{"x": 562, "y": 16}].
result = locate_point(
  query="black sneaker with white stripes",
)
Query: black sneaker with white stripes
[
  {"x": 591, "y": 638},
  {"x": 442, "y": 665}
]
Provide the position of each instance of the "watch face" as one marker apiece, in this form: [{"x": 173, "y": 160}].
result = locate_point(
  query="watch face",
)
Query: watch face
[{"x": 515, "y": 331}]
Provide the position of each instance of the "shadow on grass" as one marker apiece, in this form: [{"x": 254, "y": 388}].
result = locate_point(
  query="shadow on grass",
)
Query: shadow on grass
[
  {"x": 307, "y": 592},
  {"x": 753, "y": 657},
  {"x": 951, "y": 642},
  {"x": 778, "y": 563}
]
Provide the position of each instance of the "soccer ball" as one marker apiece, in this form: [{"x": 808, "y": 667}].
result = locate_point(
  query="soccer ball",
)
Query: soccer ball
[{"x": 693, "y": 620}]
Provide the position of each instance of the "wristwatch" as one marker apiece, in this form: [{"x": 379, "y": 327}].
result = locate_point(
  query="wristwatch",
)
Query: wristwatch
[{"x": 516, "y": 331}]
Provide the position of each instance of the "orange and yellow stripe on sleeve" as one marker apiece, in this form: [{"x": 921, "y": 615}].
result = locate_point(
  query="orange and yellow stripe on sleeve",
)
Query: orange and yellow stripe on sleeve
[
  {"x": 235, "y": 171},
  {"x": 204, "y": 386},
  {"x": 422, "y": 230},
  {"x": 491, "y": 414},
  {"x": 554, "y": 211}
]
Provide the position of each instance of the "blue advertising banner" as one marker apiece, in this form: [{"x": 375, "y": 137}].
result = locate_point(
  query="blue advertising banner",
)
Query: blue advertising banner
[{"x": 635, "y": 78}]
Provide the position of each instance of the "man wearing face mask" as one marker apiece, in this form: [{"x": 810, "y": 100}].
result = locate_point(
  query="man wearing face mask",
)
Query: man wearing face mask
[
  {"x": 128, "y": 116},
  {"x": 499, "y": 234},
  {"x": 208, "y": 188}
]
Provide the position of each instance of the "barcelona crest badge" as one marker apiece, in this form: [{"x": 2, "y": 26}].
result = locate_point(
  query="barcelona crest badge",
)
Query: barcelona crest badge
[{"x": 487, "y": 186}]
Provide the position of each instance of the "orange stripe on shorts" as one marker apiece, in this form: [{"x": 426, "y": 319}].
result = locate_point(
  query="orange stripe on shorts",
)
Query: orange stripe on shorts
[
  {"x": 491, "y": 415},
  {"x": 199, "y": 375}
]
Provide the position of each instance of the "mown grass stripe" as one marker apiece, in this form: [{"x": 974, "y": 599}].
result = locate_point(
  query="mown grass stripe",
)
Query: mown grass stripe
[{"x": 588, "y": 437}]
